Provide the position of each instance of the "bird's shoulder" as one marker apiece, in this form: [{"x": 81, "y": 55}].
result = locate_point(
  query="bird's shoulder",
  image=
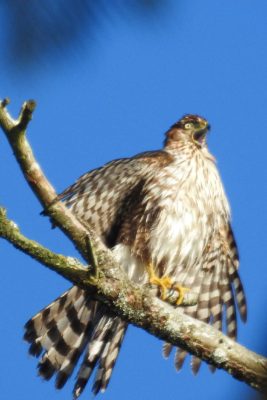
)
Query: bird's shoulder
[
  {"x": 159, "y": 157},
  {"x": 126, "y": 172}
]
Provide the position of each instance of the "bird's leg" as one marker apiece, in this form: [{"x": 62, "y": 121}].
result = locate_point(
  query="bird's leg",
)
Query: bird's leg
[{"x": 166, "y": 285}]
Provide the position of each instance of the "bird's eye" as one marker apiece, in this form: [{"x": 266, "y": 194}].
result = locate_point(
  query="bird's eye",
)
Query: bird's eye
[{"x": 188, "y": 125}]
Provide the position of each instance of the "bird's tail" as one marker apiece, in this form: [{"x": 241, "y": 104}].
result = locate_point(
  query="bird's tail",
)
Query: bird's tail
[
  {"x": 220, "y": 294},
  {"x": 74, "y": 324}
]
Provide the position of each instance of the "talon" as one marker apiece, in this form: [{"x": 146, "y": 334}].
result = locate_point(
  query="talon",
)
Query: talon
[
  {"x": 182, "y": 290},
  {"x": 166, "y": 283}
]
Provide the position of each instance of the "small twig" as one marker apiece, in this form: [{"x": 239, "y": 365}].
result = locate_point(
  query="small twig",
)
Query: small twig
[
  {"x": 93, "y": 258},
  {"x": 26, "y": 114},
  {"x": 5, "y": 102}
]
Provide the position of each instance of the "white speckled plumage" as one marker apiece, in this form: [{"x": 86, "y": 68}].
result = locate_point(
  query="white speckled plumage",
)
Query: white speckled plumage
[{"x": 189, "y": 216}]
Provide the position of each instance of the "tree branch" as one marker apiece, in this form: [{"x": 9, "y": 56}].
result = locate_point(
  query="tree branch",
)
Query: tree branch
[
  {"x": 137, "y": 305},
  {"x": 15, "y": 132}
]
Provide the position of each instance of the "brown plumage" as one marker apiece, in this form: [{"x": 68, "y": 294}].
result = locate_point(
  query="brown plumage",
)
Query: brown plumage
[{"x": 163, "y": 208}]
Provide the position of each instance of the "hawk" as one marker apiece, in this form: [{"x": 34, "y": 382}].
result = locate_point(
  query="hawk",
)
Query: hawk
[{"x": 166, "y": 218}]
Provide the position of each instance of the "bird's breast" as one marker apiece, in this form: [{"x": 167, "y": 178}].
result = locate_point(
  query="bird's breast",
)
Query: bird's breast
[{"x": 193, "y": 206}]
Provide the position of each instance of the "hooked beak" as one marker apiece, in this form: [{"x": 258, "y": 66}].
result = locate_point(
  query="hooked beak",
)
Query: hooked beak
[{"x": 199, "y": 136}]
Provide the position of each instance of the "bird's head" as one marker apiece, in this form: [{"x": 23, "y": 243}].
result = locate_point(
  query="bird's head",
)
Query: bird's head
[{"x": 192, "y": 128}]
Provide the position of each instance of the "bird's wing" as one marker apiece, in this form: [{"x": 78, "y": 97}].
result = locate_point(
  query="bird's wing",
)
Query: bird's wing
[
  {"x": 100, "y": 197},
  {"x": 219, "y": 288}
]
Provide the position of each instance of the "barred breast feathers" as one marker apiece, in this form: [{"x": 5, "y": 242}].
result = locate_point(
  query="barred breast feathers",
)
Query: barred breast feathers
[{"x": 193, "y": 206}]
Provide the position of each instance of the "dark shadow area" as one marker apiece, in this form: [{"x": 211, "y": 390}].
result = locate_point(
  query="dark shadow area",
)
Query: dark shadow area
[
  {"x": 258, "y": 396},
  {"x": 37, "y": 30}
]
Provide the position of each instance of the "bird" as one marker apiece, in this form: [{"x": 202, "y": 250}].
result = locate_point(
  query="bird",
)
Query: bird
[{"x": 166, "y": 218}]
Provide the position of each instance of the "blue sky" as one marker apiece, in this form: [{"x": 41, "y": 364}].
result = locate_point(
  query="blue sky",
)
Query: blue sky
[{"x": 112, "y": 93}]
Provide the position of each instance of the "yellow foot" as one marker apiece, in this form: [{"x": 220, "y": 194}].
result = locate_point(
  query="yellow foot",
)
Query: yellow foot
[
  {"x": 167, "y": 285},
  {"x": 181, "y": 290}
]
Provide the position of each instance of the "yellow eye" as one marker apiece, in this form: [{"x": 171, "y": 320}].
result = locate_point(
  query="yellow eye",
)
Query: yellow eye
[{"x": 188, "y": 125}]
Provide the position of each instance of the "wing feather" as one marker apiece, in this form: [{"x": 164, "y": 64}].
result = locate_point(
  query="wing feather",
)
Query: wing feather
[
  {"x": 101, "y": 197},
  {"x": 219, "y": 288}
]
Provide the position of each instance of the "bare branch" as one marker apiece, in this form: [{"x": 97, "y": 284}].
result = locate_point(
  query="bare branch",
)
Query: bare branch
[
  {"x": 69, "y": 267},
  {"x": 44, "y": 191},
  {"x": 5, "y": 102},
  {"x": 135, "y": 304},
  {"x": 26, "y": 114}
]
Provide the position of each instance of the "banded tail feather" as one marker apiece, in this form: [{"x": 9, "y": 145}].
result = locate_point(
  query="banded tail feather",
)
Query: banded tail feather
[
  {"x": 109, "y": 356},
  {"x": 220, "y": 296},
  {"x": 70, "y": 326}
]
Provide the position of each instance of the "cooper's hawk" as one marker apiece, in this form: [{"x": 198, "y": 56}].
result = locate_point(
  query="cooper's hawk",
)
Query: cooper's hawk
[{"x": 166, "y": 217}]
